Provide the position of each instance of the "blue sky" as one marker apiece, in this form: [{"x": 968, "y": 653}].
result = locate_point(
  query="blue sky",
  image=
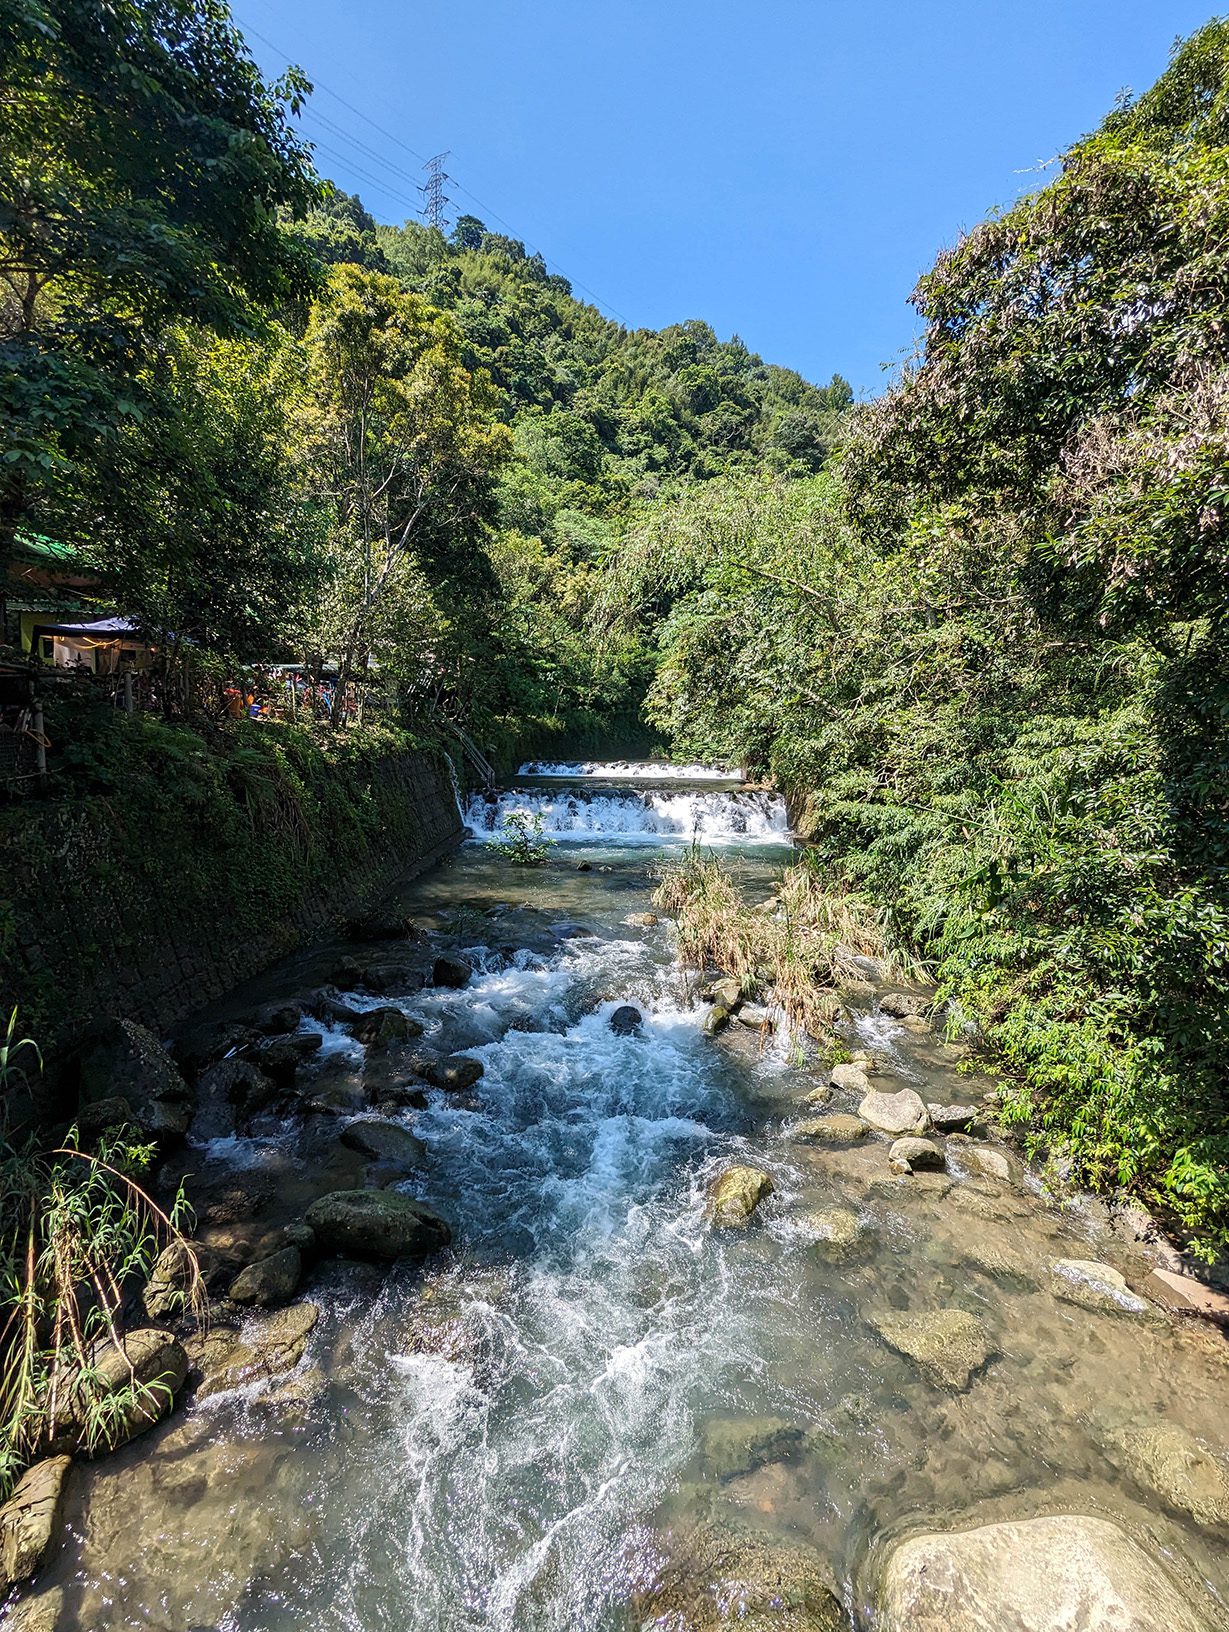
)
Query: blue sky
[{"x": 782, "y": 168}]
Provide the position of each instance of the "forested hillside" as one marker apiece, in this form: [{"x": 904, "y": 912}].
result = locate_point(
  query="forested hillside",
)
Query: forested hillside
[
  {"x": 974, "y": 627},
  {"x": 986, "y": 648}
]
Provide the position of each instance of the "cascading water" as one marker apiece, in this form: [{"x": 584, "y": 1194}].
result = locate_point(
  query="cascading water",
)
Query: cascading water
[
  {"x": 735, "y": 816},
  {"x": 506, "y": 1439},
  {"x": 629, "y": 770}
]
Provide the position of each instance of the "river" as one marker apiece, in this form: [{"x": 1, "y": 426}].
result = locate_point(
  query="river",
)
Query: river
[{"x": 510, "y": 1437}]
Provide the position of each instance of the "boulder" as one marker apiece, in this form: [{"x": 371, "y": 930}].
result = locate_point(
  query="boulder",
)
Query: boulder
[
  {"x": 902, "y": 1004},
  {"x": 149, "y": 1358},
  {"x": 279, "y": 1061},
  {"x": 626, "y": 1020},
  {"x": 754, "y": 1015},
  {"x": 719, "y": 1576},
  {"x": 102, "y": 1115},
  {"x": 378, "y": 1224},
  {"x": 947, "y": 1345},
  {"x": 911, "y": 1154},
  {"x": 268, "y": 1347},
  {"x": 991, "y": 1163},
  {"x": 124, "y": 1060},
  {"x": 453, "y": 1072},
  {"x": 29, "y": 1520},
  {"x": 277, "y": 1018},
  {"x": 837, "y": 1129},
  {"x": 1182, "y": 1471},
  {"x": 384, "y": 1142},
  {"x": 852, "y": 1078},
  {"x": 717, "y": 1018},
  {"x": 951, "y": 1118},
  {"x": 728, "y": 991},
  {"x": 897, "y": 1114},
  {"x": 327, "y": 1004},
  {"x": 392, "y": 977},
  {"x": 1036, "y": 1575},
  {"x": 347, "y": 973},
  {"x": 735, "y": 1194},
  {"x": 239, "y": 1085},
  {"x": 642, "y": 920},
  {"x": 377, "y": 1028},
  {"x": 268, "y": 1281},
  {"x": 1094, "y": 1286},
  {"x": 447, "y": 971},
  {"x": 379, "y": 926},
  {"x": 168, "y": 1292}
]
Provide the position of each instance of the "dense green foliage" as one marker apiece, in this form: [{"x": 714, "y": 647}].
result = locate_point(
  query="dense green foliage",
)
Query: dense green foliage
[{"x": 987, "y": 655}]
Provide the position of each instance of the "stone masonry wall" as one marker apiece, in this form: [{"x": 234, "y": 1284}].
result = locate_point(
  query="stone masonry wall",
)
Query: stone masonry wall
[{"x": 99, "y": 925}]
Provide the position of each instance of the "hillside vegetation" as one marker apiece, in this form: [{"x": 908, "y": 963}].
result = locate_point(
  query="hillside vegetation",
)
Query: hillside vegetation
[{"x": 986, "y": 649}]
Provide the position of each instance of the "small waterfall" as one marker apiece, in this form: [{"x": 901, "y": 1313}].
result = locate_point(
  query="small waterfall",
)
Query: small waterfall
[
  {"x": 629, "y": 770},
  {"x": 642, "y": 814}
]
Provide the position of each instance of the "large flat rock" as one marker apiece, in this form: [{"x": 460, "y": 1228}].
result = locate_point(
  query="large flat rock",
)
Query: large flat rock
[{"x": 1065, "y": 1573}]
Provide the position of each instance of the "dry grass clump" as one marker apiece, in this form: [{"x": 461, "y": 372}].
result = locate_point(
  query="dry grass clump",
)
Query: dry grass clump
[{"x": 798, "y": 948}]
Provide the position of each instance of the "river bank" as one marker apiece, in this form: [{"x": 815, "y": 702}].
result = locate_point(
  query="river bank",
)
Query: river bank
[{"x": 594, "y": 1408}]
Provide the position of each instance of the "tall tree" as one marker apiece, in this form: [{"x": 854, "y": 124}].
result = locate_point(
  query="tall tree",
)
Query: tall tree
[
  {"x": 143, "y": 163},
  {"x": 403, "y": 445}
]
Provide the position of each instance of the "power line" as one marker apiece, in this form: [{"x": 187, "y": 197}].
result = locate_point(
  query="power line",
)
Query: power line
[{"x": 319, "y": 85}]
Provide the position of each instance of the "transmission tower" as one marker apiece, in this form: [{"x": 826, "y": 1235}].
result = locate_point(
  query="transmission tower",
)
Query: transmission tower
[{"x": 436, "y": 201}]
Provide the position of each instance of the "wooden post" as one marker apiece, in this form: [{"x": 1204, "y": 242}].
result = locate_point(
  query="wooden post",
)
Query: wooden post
[{"x": 128, "y": 698}]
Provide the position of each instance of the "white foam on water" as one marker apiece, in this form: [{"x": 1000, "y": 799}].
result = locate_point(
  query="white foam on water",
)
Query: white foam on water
[
  {"x": 641, "y": 817},
  {"x": 630, "y": 770}
]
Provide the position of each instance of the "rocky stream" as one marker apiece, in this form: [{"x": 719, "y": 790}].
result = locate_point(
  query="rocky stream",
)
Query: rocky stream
[{"x": 529, "y": 1313}]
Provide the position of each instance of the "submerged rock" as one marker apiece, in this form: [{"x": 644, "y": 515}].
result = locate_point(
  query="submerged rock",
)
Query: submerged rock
[
  {"x": 1065, "y": 1571},
  {"x": 29, "y": 1520},
  {"x": 898, "y": 1113},
  {"x": 626, "y": 1020},
  {"x": 1175, "y": 1465},
  {"x": 270, "y": 1280},
  {"x": 730, "y": 1446},
  {"x": 837, "y": 1129},
  {"x": 735, "y": 1194},
  {"x": 720, "y": 1576},
  {"x": 642, "y": 920},
  {"x": 948, "y": 1345},
  {"x": 838, "y": 1231},
  {"x": 378, "y": 1224},
  {"x": 1094, "y": 1286},
  {"x": 450, "y": 971},
  {"x": 268, "y": 1347},
  {"x": 910, "y": 1154}
]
